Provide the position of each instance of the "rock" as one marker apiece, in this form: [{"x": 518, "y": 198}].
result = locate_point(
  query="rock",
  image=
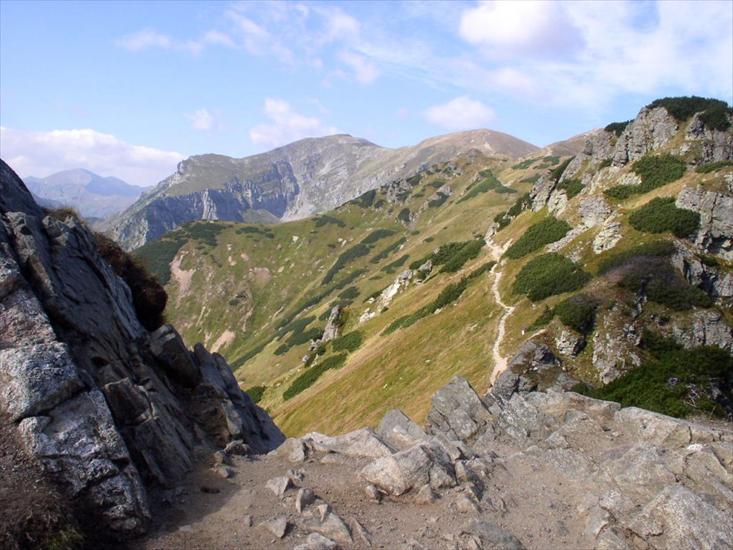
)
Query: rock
[
  {"x": 333, "y": 326},
  {"x": 533, "y": 367},
  {"x": 716, "y": 281},
  {"x": 224, "y": 472},
  {"x": 492, "y": 536},
  {"x": 168, "y": 348},
  {"x": 651, "y": 129},
  {"x": 615, "y": 343},
  {"x": 702, "y": 328},
  {"x": 594, "y": 211},
  {"x": 361, "y": 532},
  {"x": 608, "y": 236},
  {"x": 713, "y": 145},
  {"x": 237, "y": 447},
  {"x": 316, "y": 541},
  {"x": 372, "y": 493},
  {"x": 425, "y": 495},
  {"x": 277, "y": 526},
  {"x": 293, "y": 450},
  {"x": 329, "y": 525},
  {"x": 399, "y": 431},
  {"x": 278, "y": 485},
  {"x": 466, "y": 504},
  {"x": 715, "y": 234},
  {"x": 458, "y": 412},
  {"x": 303, "y": 498},
  {"x": 247, "y": 520},
  {"x": 360, "y": 443},
  {"x": 568, "y": 342}
]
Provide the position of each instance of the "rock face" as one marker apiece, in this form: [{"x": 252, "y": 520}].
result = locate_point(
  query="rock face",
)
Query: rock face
[
  {"x": 106, "y": 407},
  {"x": 292, "y": 182},
  {"x": 715, "y": 234}
]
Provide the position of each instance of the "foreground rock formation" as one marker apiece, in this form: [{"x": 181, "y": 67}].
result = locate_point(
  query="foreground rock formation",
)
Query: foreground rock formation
[
  {"x": 510, "y": 470},
  {"x": 108, "y": 408}
]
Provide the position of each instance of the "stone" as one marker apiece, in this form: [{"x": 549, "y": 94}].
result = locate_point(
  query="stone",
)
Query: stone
[
  {"x": 292, "y": 450},
  {"x": 373, "y": 493},
  {"x": 224, "y": 472},
  {"x": 425, "y": 495},
  {"x": 329, "y": 525},
  {"x": 247, "y": 520},
  {"x": 568, "y": 342},
  {"x": 168, "y": 348},
  {"x": 362, "y": 443},
  {"x": 466, "y": 504},
  {"x": 715, "y": 233},
  {"x": 492, "y": 536},
  {"x": 303, "y": 498},
  {"x": 279, "y": 485},
  {"x": 361, "y": 532},
  {"x": 608, "y": 236},
  {"x": 458, "y": 412},
  {"x": 316, "y": 541},
  {"x": 277, "y": 526},
  {"x": 398, "y": 431}
]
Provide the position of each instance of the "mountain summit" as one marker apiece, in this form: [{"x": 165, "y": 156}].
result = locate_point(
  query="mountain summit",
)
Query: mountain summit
[{"x": 291, "y": 182}]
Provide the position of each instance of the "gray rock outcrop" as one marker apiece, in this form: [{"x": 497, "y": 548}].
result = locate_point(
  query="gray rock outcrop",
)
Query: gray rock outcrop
[
  {"x": 107, "y": 407},
  {"x": 715, "y": 235}
]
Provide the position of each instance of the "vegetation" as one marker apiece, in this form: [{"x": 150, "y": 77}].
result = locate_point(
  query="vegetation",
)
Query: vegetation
[
  {"x": 669, "y": 382},
  {"x": 654, "y": 249},
  {"x": 439, "y": 200},
  {"x": 538, "y": 235},
  {"x": 255, "y": 392},
  {"x": 309, "y": 377},
  {"x": 387, "y": 251},
  {"x": 405, "y": 215},
  {"x": 618, "y": 127},
  {"x": 557, "y": 172},
  {"x": 348, "y": 342},
  {"x": 324, "y": 219},
  {"x": 522, "y": 203},
  {"x": 545, "y": 317},
  {"x": 549, "y": 274},
  {"x": 148, "y": 296},
  {"x": 577, "y": 312},
  {"x": 349, "y": 255},
  {"x": 523, "y": 165},
  {"x": 349, "y": 294},
  {"x": 459, "y": 257},
  {"x": 393, "y": 266},
  {"x": 661, "y": 214},
  {"x": 571, "y": 187},
  {"x": 713, "y": 166},
  {"x": 365, "y": 200},
  {"x": 714, "y": 111},
  {"x": 157, "y": 255},
  {"x": 376, "y": 235},
  {"x": 654, "y": 171},
  {"x": 490, "y": 183}
]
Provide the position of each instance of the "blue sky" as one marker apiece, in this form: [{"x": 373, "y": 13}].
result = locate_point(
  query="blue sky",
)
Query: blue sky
[{"x": 129, "y": 88}]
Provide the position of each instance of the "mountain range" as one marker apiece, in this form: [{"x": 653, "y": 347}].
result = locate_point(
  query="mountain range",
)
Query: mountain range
[{"x": 92, "y": 195}]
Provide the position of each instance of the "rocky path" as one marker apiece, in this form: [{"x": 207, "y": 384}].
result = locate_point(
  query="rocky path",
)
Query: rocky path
[{"x": 500, "y": 361}]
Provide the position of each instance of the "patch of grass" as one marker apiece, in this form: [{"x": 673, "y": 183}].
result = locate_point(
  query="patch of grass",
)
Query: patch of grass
[
  {"x": 504, "y": 218},
  {"x": 349, "y": 294},
  {"x": 661, "y": 214},
  {"x": 617, "y": 127},
  {"x": 377, "y": 235},
  {"x": 654, "y": 171},
  {"x": 605, "y": 163},
  {"x": 490, "y": 183},
  {"x": 404, "y": 215},
  {"x": 389, "y": 250},
  {"x": 654, "y": 249},
  {"x": 544, "y": 318},
  {"x": 324, "y": 219},
  {"x": 459, "y": 257},
  {"x": 348, "y": 342},
  {"x": 256, "y": 392},
  {"x": 349, "y": 255},
  {"x": 713, "y": 166},
  {"x": 538, "y": 235},
  {"x": 667, "y": 383},
  {"x": 571, "y": 186},
  {"x": 523, "y": 165},
  {"x": 393, "y": 266},
  {"x": 577, "y": 312},
  {"x": 312, "y": 374},
  {"x": 549, "y": 274}
]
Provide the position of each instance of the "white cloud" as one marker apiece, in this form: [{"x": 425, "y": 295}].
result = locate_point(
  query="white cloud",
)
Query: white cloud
[
  {"x": 150, "y": 39},
  {"x": 364, "y": 70},
  {"x": 286, "y": 125},
  {"x": 43, "y": 153},
  {"x": 202, "y": 120},
  {"x": 461, "y": 113}
]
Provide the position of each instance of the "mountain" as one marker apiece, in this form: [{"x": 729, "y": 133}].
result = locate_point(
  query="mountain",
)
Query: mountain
[
  {"x": 92, "y": 195},
  {"x": 292, "y": 182},
  {"x": 400, "y": 275}
]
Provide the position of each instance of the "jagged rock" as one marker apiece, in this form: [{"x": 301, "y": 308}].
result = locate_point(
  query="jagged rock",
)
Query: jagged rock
[
  {"x": 168, "y": 347},
  {"x": 492, "y": 536},
  {"x": 568, "y": 342},
  {"x": 651, "y": 129},
  {"x": 316, "y": 541},
  {"x": 373, "y": 493},
  {"x": 361, "y": 532},
  {"x": 703, "y": 328},
  {"x": 328, "y": 524},
  {"x": 466, "y": 504},
  {"x": 615, "y": 343},
  {"x": 425, "y": 495},
  {"x": 360, "y": 443},
  {"x": 608, "y": 236},
  {"x": 457, "y": 411},
  {"x": 333, "y": 326},
  {"x": 398, "y": 431},
  {"x": 594, "y": 211},
  {"x": 303, "y": 498},
  {"x": 715, "y": 234},
  {"x": 279, "y": 485},
  {"x": 717, "y": 282},
  {"x": 277, "y": 526},
  {"x": 293, "y": 449},
  {"x": 710, "y": 145}
]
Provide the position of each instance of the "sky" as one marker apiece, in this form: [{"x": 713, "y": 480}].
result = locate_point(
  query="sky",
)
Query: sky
[{"x": 128, "y": 89}]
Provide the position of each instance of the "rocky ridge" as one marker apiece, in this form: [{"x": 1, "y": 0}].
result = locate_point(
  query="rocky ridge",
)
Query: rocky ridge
[{"x": 108, "y": 408}]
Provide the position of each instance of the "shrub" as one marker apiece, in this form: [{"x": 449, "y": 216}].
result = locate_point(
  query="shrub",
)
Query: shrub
[
  {"x": 437, "y": 184},
  {"x": 320, "y": 221},
  {"x": 503, "y": 219},
  {"x": 577, "y": 312},
  {"x": 404, "y": 215},
  {"x": 376, "y": 235},
  {"x": 485, "y": 268},
  {"x": 654, "y": 171},
  {"x": 349, "y": 294},
  {"x": 148, "y": 296},
  {"x": 387, "y": 251},
  {"x": 668, "y": 381},
  {"x": 556, "y": 173},
  {"x": 248, "y": 355},
  {"x": 544, "y": 318},
  {"x": 523, "y": 165},
  {"x": 713, "y": 166},
  {"x": 205, "y": 232},
  {"x": 366, "y": 199},
  {"x": 549, "y": 274},
  {"x": 399, "y": 262},
  {"x": 605, "y": 163},
  {"x": 256, "y": 392},
  {"x": 714, "y": 111},
  {"x": 157, "y": 255},
  {"x": 571, "y": 187},
  {"x": 348, "y": 342},
  {"x": 356, "y": 251},
  {"x": 654, "y": 249},
  {"x": 438, "y": 201},
  {"x": 309, "y": 377},
  {"x": 661, "y": 214},
  {"x": 538, "y": 235},
  {"x": 491, "y": 183},
  {"x": 617, "y": 127},
  {"x": 457, "y": 259}
]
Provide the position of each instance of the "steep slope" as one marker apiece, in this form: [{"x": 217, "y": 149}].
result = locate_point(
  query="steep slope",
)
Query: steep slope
[
  {"x": 105, "y": 406},
  {"x": 300, "y": 179},
  {"x": 92, "y": 195},
  {"x": 570, "y": 281}
]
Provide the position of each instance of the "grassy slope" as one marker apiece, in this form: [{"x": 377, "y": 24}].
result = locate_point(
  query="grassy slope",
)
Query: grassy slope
[{"x": 404, "y": 368}]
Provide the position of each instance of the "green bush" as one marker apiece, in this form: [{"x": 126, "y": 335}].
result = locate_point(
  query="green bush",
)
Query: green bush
[
  {"x": 389, "y": 250},
  {"x": 377, "y": 235},
  {"x": 349, "y": 294},
  {"x": 205, "y": 232},
  {"x": 366, "y": 199},
  {"x": 538, "y": 235},
  {"x": 256, "y": 392},
  {"x": 312, "y": 374},
  {"x": 437, "y": 184},
  {"x": 714, "y": 111},
  {"x": 618, "y": 127},
  {"x": 668, "y": 380},
  {"x": 348, "y": 342},
  {"x": 490, "y": 183},
  {"x": 654, "y": 249},
  {"x": 447, "y": 296},
  {"x": 438, "y": 201},
  {"x": 404, "y": 215},
  {"x": 485, "y": 268},
  {"x": 571, "y": 187},
  {"x": 558, "y": 171},
  {"x": 713, "y": 166},
  {"x": 320, "y": 221},
  {"x": 577, "y": 312},
  {"x": 661, "y": 214},
  {"x": 393, "y": 266},
  {"x": 457, "y": 260},
  {"x": 605, "y": 163},
  {"x": 544, "y": 318},
  {"x": 522, "y": 203},
  {"x": 157, "y": 255},
  {"x": 349, "y": 255},
  {"x": 549, "y": 274},
  {"x": 654, "y": 171},
  {"x": 523, "y": 165}
]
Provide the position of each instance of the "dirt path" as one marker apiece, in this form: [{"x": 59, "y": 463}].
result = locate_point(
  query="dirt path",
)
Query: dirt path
[{"x": 500, "y": 361}]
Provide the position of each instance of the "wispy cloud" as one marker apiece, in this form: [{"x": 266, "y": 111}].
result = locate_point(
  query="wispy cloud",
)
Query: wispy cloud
[
  {"x": 202, "y": 120},
  {"x": 286, "y": 125},
  {"x": 43, "y": 153},
  {"x": 461, "y": 113},
  {"x": 147, "y": 39}
]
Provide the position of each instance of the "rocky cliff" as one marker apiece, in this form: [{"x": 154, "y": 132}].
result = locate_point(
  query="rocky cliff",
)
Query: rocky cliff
[
  {"x": 298, "y": 180},
  {"x": 108, "y": 408}
]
